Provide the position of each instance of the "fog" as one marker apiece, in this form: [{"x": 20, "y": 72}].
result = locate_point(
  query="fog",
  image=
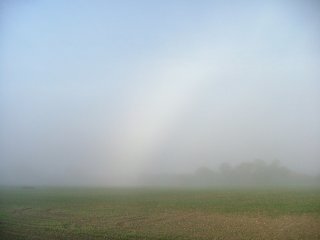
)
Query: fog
[{"x": 106, "y": 92}]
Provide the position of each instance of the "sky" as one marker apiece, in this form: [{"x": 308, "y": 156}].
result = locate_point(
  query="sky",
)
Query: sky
[{"x": 100, "y": 92}]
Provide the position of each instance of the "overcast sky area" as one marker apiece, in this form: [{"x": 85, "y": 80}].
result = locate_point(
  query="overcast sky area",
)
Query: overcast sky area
[{"x": 99, "y": 92}]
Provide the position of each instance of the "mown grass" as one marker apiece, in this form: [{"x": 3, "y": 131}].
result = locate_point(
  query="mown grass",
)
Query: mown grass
[{"x": 99, "y": 213}]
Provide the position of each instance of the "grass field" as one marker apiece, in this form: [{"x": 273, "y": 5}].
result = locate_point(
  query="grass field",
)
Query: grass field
[{"x": 98, "y": 213}]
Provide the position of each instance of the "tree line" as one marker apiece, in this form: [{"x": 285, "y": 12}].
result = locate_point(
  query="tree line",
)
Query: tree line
[{"x": 256, "y": 173}]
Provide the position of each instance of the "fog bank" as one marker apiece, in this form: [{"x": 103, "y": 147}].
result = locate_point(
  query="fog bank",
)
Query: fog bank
[{"x": 104, "y": 92}]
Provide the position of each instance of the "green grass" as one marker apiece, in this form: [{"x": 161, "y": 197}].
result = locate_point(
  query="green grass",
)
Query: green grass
[{"x": 98, "y": 213}]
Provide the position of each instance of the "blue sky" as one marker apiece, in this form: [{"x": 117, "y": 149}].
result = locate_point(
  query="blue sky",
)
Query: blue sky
[{"x": 119, "y": 88}]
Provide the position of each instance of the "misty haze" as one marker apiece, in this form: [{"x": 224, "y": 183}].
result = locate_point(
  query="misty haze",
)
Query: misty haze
[{"x": 156, "y": 102}]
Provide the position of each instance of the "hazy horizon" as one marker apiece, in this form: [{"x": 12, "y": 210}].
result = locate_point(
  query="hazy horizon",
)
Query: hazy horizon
[{"x": 105, "y": 91}]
